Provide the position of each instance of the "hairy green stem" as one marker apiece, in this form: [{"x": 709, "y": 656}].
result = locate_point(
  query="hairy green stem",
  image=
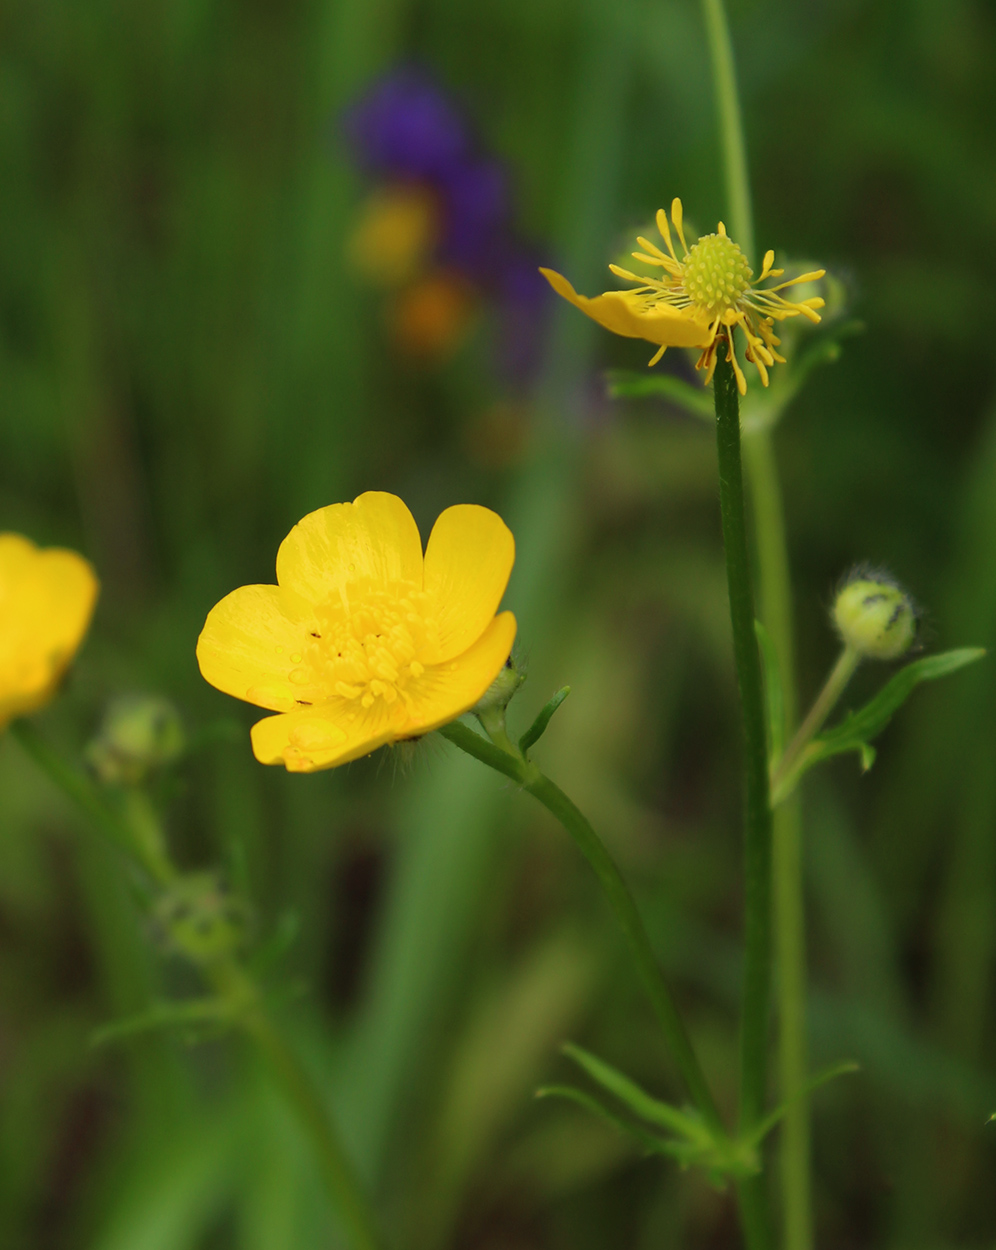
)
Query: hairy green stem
[
  {"x": 757, "y": 803},
  {"x": 508, "y": 760},
  {"x": 137, "y": 833}
]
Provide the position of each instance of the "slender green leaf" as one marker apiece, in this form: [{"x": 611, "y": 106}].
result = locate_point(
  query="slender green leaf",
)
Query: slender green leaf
[
  {"x": 650, "y": 1142},
  {"x": 624, "y": 384},
  {"x": 196, "y": 1011},
  {"x": 538, "y": 728},
  {"x": 870, "y": 720},
  {"x": 638, "y": 1100},
  {"x": 820, "y": 1078}
]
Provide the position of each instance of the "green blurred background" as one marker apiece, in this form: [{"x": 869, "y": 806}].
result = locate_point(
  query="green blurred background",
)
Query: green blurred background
[{"x": 189, "y": 364}]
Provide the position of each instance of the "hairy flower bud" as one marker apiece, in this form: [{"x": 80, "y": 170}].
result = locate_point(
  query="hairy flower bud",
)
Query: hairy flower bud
[
  {"x": 139, "y": 733},
  {"x": 874, "y": 615},
  {"x": 499, "y": 694},
  {"x": 200, "y": 918}
]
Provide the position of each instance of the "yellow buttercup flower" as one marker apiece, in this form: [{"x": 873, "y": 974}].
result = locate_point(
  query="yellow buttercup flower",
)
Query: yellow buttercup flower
[
  {"x": 46, "y": 601},
  {"x": 364, "y": 641},
  {"x": 698, "y": 301}
]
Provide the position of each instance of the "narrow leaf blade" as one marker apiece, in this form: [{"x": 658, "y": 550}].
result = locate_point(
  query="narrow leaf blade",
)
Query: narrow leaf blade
[
  {"x": 636, "y": 1099},
  {"x": 623, "y": 384},
  {"x": 650, "y": 1142},
  {"x": 538, "y": 728}
]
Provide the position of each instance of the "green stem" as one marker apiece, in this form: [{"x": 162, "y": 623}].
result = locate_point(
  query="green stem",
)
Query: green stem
[
  {"x": 343, "y": 1185},
  {"x": 826, "y": 700},
  {"x": 78, "y": 787},
  {"x": 757, "y": 806},
  {"x": 724, "y": 79},
  {"x": 776, "y": 614},
  {"x": 774, "y": 586},
  {"x": 139, "y": 835},
  {"x": 775, "y": 604},
  {"x": 507, "y": 760}
]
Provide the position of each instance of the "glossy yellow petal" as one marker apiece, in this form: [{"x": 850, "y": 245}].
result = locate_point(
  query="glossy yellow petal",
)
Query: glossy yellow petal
[
  {"x": 446, "y": 691},
  {"x": 374, "y": 538},
  {"x": 627, "y": 314},
  {"x": 312, "y": 739},
  {"x": 247, "y": 645},
  {"x": 467, "y": 564},
  {"x": 47, "y": 598}
]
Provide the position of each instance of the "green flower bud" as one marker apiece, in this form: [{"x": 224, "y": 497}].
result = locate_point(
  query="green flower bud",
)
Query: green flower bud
[
  {"x": 200, "y": 918},
  {"x": 499, "y": 694},
  {"x": 874, "y": 615},
  {"x": 139, "y": 734}
]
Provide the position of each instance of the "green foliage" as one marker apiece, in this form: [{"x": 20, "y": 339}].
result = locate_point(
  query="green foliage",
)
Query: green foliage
[{"x": 189, "y": 367}]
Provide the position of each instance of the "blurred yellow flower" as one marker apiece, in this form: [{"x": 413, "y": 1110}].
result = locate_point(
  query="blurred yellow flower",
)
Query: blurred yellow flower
[
  {"x": 46, "y": 601},
  {"x": 699, "y": 300},
  {"x": 364, "y": 641},
  {"x": 396, "y": 233}
]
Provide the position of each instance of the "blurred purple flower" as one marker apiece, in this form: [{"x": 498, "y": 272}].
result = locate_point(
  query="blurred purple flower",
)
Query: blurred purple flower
[
  {"x": 475, "y": 210},
  {"x": 405, "y": 127}
]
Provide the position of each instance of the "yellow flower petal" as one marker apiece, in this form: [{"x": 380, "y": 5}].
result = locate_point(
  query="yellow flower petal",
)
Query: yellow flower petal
[
  {"x": 47, "y": 598},
  {"x": 373, "y": 538},
  {"x": 312, "y": 739},
  {"x": 468, "y": 561},
  {"x": 626, "y": 314},
  {"x": 352, "y": 648},
  {"x": 446, "y": 691},
  {"x": 246, "y": 645}
]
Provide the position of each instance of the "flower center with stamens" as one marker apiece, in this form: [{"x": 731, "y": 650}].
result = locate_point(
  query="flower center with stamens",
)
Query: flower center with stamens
[
  {"x": 716, "y": 274},
  {"x": 368, "y": 645}
]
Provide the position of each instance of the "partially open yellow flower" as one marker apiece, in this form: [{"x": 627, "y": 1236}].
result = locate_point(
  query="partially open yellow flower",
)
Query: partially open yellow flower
[
  {"x": 698, "y": 300},
  {"x": 364, "y": 641},
  {"x": 46, "y": 601}
]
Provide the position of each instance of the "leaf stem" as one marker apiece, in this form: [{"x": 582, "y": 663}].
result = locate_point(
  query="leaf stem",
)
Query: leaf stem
[
  {"x": 826, "y": 700},
  {"x": 757, "y": 805},
  {"x": 512, "y": 764}
]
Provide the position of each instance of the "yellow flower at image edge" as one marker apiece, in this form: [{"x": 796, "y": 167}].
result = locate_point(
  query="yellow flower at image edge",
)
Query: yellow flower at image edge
[
  {"x": 698, "y": 301},
  {"x": 363, "y": 641},
  {"x": 47, "y": 597}
]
